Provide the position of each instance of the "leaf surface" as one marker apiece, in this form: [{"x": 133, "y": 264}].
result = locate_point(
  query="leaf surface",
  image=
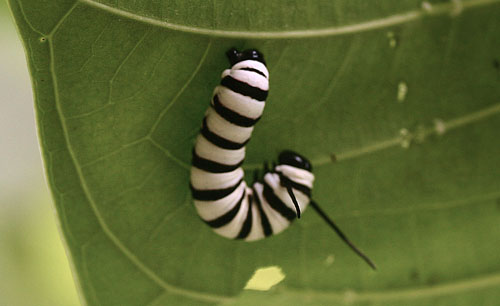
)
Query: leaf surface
[{"x": 396, "y": 103}]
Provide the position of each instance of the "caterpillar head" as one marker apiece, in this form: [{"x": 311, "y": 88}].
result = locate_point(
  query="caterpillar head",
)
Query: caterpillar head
[
  {"x": 293, "y": 159},
  {"x": 235, "y": 56}
]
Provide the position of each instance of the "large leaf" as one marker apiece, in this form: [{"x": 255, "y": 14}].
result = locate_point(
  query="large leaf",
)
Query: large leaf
[{"x": 396, "y": 103}]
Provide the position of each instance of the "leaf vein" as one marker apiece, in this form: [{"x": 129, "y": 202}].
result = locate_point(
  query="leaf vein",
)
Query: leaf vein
[
  {"x": 123, "y": 147},
  {"x": 424, "y": 207},
  {"x": 437, "y": 9},
  {"x": 351, "y": 297},
  {"x": 170, "y": 155},
  {"x": 120, "y": 66},
  {"x": 63, "y": 18},
  {"x": 30, "y": 25},
  {"x": 202, "y": 296},
  {"x": 169, "y": 216},
  {"x": 452, "y": 124},
  {"x": 385, "y": 144},
  {"x": 183, "y": 88}
]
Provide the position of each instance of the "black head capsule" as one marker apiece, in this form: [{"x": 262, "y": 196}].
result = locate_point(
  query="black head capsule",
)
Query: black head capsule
[
  {"x": 251, "y": 54},
  {"x": 293, "y": 159}
]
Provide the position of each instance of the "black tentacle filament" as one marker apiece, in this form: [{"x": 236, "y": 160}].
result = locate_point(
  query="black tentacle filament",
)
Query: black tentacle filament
[
  {"x": 285, "y": 182},
  {"x": 342, "y": 235}
]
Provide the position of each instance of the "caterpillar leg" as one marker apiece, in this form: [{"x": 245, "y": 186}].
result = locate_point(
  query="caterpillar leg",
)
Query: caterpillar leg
[
  {"x": 256, "y": 175},
  {"x": 266, "y": 167}
]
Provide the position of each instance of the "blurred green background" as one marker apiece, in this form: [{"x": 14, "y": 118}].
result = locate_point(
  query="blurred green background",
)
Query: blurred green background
[{"x": 34, "y": 269}]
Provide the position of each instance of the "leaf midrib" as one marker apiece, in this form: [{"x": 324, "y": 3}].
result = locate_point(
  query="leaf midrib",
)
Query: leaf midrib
[
  {"x": 439, "y": 128},
  {"x": 453, "y": 8},
  {"x": 350, "y": 296}
]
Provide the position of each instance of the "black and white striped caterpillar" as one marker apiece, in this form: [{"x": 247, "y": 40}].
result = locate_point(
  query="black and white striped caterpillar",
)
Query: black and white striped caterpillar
[{"x": 221, "y": 196}]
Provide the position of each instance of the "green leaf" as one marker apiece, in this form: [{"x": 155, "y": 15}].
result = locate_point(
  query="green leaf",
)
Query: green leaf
[{"x": 396, "y": 103}]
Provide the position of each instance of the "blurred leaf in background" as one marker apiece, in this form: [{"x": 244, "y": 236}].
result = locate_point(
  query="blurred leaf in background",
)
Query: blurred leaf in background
[
  {"x": 34, "y": 270},
  {"x": 396, "y": 103}
]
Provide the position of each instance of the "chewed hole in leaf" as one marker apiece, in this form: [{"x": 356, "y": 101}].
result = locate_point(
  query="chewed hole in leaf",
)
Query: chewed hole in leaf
[{"x": 264, "y": 279}]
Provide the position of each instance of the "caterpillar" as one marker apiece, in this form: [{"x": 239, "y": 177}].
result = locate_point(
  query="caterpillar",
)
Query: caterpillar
[{"x": 221, "y": 196}]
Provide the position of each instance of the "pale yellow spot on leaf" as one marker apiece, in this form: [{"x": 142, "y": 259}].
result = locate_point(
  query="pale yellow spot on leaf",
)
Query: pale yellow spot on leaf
[{"x": 265, "y": 278}]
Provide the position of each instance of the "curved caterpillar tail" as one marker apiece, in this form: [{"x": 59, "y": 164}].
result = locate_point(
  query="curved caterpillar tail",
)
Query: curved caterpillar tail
[{"x": 221, "y": 197}]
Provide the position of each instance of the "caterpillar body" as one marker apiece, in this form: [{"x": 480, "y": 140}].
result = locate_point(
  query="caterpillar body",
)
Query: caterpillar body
[{"x": 222, "y": 198}]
